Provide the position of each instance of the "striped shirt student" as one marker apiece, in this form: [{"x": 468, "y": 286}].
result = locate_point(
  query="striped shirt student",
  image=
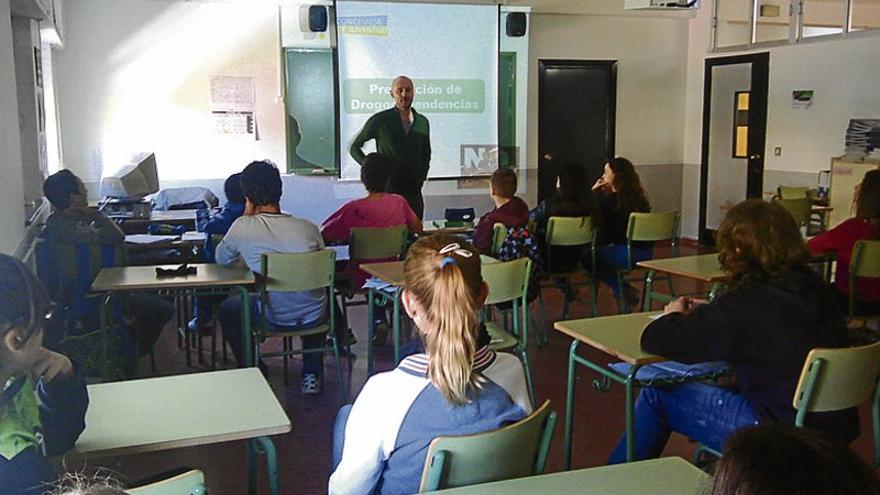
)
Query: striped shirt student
[{"x": 456, "y": 388}]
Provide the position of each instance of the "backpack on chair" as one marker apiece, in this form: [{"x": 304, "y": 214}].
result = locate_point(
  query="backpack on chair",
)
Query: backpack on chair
[{"x": 520, "y": 243}]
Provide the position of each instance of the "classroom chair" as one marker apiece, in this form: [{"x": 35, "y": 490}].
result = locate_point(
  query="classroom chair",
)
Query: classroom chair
[
  {"x": 569, "y": 231},
  {"x": 499, "y": 235},
  {"x": 833, "y": 380},
  {"x": 799, "y": 209},
  {"x": 369, "y": 244},
  {"x": 864, "y": 263},
  {"x": 792, "y": 192},
  {"x": 510, "y": 452},
  {"x": 647, "y": 227},
  {"x": 191, "y": 482},
  {"x": 508, "y": 282},
  {"x": 298, "y": 272}
]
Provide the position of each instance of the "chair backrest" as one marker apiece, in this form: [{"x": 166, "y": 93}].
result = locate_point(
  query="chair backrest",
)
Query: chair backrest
[
  {"x": 507, "y": 280},
  {"x": 510, "y": 452},
  {"x": 835, "y": 379},
  {"x": 792, "y": 192},
  {"x": 570, "y": 231},
  {"x": 653, "y": 227},
  {"x": 298, "y": 271},
  {"x": 68, "y": 270},
  {"x": 499, "y": 232},
  {"x": 865, "y": 260},
  {"x": 188, "y": 483},
  {"x": 799, "y": 209},
  {"x": 376, "y": 243}
]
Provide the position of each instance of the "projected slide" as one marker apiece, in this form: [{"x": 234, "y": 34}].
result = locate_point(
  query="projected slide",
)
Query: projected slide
[{"x": 450, "y": 52}]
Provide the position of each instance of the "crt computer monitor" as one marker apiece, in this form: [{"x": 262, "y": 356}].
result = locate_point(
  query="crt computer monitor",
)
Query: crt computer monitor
[{"x": 133, "y": 180}]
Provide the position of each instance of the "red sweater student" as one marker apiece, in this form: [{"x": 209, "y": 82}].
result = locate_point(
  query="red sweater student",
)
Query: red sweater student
[
  {"x": 509, "y": 210},
  {"x": 841, "y": 239}
]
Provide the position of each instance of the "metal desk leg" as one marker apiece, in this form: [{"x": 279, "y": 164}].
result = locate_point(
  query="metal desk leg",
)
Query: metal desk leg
[
  {"x": 715, "y": 288},
  {"x": 396, "y": 325},
  {"x": 630, "y": 414},
  {"x": 262, "y": 445},
  {"x": 649, "y": 290},
  {"x": 105, "y": 364},
  {"x": 247, "y": 336},
  {"x": 371, "y": 326},
  {"x": 569, "y": 404}
]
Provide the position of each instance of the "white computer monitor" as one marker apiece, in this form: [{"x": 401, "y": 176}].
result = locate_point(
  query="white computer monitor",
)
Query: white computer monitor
[{"x": 133, "y": 180}]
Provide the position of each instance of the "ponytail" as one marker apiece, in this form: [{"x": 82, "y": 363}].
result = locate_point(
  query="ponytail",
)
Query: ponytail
[{"x": 443, "y": 274}]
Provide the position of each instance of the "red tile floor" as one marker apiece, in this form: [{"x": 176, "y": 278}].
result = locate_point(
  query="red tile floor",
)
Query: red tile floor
[{"x": 304, "y": 453}]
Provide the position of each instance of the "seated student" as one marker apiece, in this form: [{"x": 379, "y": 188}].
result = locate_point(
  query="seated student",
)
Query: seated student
[
  {"x": 222, "y": 220},
  {"x": 619, "y": 192},
  {"x": 378, "y": 209},
  {"x": 43, "y": 402},
  {"x": 71, "y": 223},
  {"x": 775, "y": 312},
  {"x": 781, "y": 460},
  {"x": 572, "y": 199},
  {"x": 509, "y": 209},
  {"x": 841, "y": 239},
  {"x": 265, "y": 229},
  {"x": 459, "y": 387}
]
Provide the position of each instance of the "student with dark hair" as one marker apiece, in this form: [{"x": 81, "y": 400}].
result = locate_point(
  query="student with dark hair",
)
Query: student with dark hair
[
  {"x": 619, "y": 192},
  {"x": 43, "y": 402},
  {"x": 841, "y": 239},
  {"x": 572, "y": 199},
  {"x": 263, "y": 228},
  {"x": 509, "y": 209},
  {"x": 222, "y": 220},
  {"x": 776, "y": 311},
  {"x": 73, "y": 223},
  {"x": 778, "y": 459}
]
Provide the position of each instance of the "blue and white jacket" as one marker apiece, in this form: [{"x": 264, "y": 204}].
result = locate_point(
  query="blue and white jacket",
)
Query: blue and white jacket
[{"x": 399, "y": 412}]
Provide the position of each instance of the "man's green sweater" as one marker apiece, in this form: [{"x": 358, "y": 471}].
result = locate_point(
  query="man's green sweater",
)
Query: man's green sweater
[{"x": 409, "y": 153}]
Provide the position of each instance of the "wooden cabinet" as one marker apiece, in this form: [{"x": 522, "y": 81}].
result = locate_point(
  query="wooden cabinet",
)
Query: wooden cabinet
[{"x": 844, "y": 177}]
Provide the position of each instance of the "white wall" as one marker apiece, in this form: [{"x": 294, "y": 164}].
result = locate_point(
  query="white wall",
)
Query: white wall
[
  {"x": 12, "y": 214},
  {"x": 135, "y": 76}
]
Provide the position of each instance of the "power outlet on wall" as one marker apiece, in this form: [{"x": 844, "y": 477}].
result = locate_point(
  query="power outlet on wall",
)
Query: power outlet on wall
[{"x": 777, "y": 151}]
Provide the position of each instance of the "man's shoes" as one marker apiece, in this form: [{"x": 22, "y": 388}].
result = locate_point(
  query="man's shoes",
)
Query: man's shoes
[
  {"x": 632, "y": 298},
  {"x": 381, "y": 336},
  {"x": 311, "y": 384}
]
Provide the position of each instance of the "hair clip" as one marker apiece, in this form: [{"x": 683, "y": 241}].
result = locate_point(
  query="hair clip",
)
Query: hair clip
[
  {"x": 447, "y": 261},
  {"x": 455, "y": 248}
]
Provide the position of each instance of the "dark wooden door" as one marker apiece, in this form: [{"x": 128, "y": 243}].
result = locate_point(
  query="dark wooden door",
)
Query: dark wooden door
[{"x": 576, "y": 118}]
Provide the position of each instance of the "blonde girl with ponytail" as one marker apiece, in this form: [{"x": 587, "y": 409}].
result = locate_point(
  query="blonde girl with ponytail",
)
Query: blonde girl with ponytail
[{"x": 457, "y": 387}]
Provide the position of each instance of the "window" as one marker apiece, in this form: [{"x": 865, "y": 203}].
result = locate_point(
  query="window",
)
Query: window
[
  {"x": 741, "y": 124},
  {"x": 864, "y": 14},
  {"x": 773, "y": 21},
  {"x": 733, "y": 25},
  {"x": 821, "y": 17}
]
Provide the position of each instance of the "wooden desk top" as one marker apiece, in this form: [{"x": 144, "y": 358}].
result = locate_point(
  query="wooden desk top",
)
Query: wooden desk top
[
  {"x": 439, "y": 226},
  {"x": 171, "y": 215},
  {"x": 125, "y": 278},
  {"x": 704, "y": 267},
  {"x": 664, "y": 476},
  {"x": 389, "y": 271},
  {"x": 179, "y": 411},
  {"x": 618, "y": 335}
]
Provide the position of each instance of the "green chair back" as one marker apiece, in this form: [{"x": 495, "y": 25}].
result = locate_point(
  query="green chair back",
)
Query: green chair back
[
  {"x": 298, "y": 271},
  {"x": 510, "y": 452},
  {"x": 865, "y": 263},
  {"x": 499, "y": 233},
  {"x": 653, "y": 226},
  {"x": 792, "y": 192},
  {"x": 798, "y": 208},
  {"x": 570, "y": 231},
  {"x": 507, "y": 280},
  {"x": 188, "y": 483},
  {"x": 376, "y": 243},
  {"x": 835, "y": 379}
]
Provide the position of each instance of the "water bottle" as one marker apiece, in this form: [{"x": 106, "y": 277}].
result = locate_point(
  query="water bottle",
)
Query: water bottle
[{"x": 202, "y": 217}]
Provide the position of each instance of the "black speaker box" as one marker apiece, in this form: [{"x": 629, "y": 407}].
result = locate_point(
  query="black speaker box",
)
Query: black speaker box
[
  {"x": 516, "y": 24},
  {"x": 317, "y": 18}
]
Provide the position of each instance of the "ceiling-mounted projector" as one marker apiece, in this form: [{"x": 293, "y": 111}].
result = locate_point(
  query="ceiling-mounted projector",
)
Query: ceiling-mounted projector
[{"x": 660, "y": 4}]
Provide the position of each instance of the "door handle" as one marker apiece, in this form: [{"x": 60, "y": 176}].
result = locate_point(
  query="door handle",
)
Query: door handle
[
  {"x": 754, "y": 157},
  {"x": 548, "y": 156}
]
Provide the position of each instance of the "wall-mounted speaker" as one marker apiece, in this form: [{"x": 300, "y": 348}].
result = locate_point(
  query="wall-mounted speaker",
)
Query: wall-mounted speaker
[
  {"x": 317, "y": 18},
  {"x": 516, "y": 24}
]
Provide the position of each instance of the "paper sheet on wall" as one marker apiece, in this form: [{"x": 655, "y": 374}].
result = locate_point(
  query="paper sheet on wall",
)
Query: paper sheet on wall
[{"x": 233, "y": 105}]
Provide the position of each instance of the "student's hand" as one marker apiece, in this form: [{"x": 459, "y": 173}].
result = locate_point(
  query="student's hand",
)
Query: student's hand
[
  {"x": 600, "y": 184},
  {"x": 50, "y": 365},
  {"x": 682, "y": 305}
]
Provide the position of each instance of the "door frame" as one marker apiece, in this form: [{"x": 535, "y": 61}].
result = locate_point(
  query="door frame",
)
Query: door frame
[
  {"x": 611, "y": 117},
  {"x": 757, "y": 135}
]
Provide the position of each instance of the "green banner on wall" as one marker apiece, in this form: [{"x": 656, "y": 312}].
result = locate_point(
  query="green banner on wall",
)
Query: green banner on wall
[{"x": 432, "y": 95}]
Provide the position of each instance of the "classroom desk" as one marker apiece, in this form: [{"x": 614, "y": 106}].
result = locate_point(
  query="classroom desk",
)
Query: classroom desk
[
  {"x": 140, "y": 416},
  {"x": 619, "y": 336},
  {"x": 207, "y": 279},
  {"x": 664, "y": 476},
  {"x": 702, "y": 267},
  {"x": 439, "y": 227},
  {"x": 186, "y": 218}
]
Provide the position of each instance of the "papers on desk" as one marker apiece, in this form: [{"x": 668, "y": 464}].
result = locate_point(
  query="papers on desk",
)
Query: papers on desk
[
  {"x": 379, "y": 284},
  {"x": 147, "y": 239},
  {"x": 193, "y": 236},
  {"x": 341, "y": 252}
]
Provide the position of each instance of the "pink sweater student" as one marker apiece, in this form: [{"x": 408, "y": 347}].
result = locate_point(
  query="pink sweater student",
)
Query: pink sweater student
[{"x": 377, "y": 210}]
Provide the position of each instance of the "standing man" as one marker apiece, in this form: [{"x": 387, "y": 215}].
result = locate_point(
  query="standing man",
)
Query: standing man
[{"x": 402, "y": 136}]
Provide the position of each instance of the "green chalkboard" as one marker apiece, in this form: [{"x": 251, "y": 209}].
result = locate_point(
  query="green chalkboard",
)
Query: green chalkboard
[{"x": 310, "y": 107}]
